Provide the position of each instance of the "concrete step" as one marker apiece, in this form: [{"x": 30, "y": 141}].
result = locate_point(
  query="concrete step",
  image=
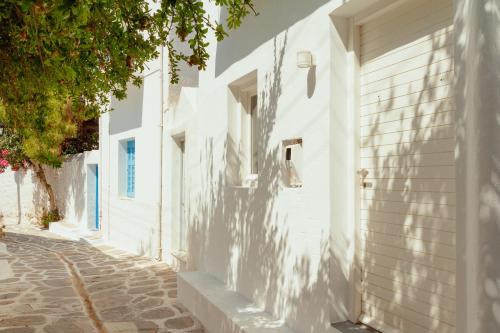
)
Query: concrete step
[{"x": 221, "y": 310}]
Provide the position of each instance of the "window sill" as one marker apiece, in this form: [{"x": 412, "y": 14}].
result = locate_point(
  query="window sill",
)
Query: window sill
[{"x": 126, "y": 198}]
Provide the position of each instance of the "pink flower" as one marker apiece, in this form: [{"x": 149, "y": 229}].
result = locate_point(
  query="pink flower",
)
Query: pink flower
[
  {"x": 4, "y": 163},
  {"x": 2, "y": 170},
  {"x": 4, "y": 152}
]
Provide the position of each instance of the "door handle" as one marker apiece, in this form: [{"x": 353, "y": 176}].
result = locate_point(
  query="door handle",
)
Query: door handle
[{"x": 363, "y": 173}]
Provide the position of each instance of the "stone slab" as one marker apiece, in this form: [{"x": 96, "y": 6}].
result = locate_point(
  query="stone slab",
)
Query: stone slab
[
  {"x": 3, "y": 248},
  {"x": 5, "y": 270},
  {"x": 221, "y": 310}
]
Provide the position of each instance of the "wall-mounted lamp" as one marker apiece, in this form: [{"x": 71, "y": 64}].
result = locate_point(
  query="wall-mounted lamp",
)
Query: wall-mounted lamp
[{"x": 305, "y": 59}]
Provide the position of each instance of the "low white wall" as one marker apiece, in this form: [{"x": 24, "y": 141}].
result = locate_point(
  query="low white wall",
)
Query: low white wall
[
  {"x": 23, "y": 199},
  {"x": 20, "y": 197},
  {"x": 70, "y": 184}
]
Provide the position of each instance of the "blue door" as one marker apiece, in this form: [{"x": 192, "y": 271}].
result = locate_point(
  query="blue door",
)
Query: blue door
[{"x": 97, "y": 197}]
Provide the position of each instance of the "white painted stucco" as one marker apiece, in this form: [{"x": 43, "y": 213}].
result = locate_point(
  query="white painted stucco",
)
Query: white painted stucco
[
  {"x": 271, "y": 243},
  {"x": 132, "y": 223},
  {"x": 477, "y": 89},
  {"x": 19, "y": 196},
  {"x": 22, "y": 199}
]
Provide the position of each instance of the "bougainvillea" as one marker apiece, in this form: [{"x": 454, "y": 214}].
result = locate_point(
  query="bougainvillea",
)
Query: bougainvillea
[{"x": 3, "y": 160}]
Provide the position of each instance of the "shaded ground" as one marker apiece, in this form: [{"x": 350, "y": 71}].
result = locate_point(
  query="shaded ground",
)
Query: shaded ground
[
  {"x": 53, "y": 285},
  {"x": 348, "y": 327}
]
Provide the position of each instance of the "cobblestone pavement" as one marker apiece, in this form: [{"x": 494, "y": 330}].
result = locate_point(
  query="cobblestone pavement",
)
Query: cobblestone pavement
[{"x": 54, "y": 285}]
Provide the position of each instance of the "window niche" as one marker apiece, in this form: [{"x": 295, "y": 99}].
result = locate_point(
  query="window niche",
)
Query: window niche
[
  {"x": 243, "y": 131},
  {"x": 292, "y": 162}
]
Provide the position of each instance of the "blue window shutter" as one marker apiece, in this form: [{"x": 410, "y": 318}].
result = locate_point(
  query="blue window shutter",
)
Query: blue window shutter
[{"x": 131, "y": 168}]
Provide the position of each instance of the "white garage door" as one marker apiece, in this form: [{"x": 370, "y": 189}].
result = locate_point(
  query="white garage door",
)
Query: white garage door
[{"x": 407, "y": 147}]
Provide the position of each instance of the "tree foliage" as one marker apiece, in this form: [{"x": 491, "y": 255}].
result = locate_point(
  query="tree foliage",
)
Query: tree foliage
[
  {"x": 12, "y": 152},
  {"x": 86, "y": 138},
  {"x": 61, "y": 59}
]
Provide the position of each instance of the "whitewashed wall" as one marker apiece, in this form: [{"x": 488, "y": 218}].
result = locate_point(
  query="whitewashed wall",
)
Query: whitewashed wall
[
  {"x": 70, "y": 184},
  {"x": 132, "y": 224},
  {"x": 19, "y": 195},
  {"x": 23, "y": 200},
  {"x": 268, "y": 243}
]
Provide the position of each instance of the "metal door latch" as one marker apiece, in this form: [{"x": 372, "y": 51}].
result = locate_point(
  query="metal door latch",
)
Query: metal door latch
[{"x": 362, "y": 175}]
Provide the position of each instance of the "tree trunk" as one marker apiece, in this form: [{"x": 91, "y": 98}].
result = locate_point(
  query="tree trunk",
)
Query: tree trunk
[{"x": 40, "y": 174}]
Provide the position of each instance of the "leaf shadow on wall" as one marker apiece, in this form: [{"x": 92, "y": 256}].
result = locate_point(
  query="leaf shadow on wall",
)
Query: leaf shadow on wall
[{"x": 239, "y": 235}]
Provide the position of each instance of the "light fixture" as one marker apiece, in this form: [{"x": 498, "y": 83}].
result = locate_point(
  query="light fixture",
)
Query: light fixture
[{"x": 305, "y": 59}]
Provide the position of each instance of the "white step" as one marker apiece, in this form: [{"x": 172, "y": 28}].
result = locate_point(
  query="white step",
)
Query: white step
[{"x": 221, "y": 310}]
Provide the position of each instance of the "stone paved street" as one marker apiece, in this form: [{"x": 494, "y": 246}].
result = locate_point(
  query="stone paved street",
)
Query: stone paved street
[{"x": 54, "y": 285}]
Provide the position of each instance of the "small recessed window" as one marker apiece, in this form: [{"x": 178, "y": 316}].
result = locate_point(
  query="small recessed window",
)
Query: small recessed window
[{"x": 293, "y": 162}]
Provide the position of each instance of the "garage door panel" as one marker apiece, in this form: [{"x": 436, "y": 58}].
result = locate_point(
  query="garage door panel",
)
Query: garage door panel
[
  {"x": 442, "y": 38},
  {"x": 407, "y": 138},
  {"x": 420, "y": 73},
  {"x": 424, "y": 234},
  {"x": 407, "y": 255},
  {"x": 391, "y": 68},
  {"x": 435, "y": 95},
  {"x": 417, "y": 245},
  {"x": 426, "y": 19},
  {"x": 411, "y": 136},
  {"x": 407, "y": 124},
  {"x": 422, "y": 172},
  {"x": 420, "y": 300},
  {"x": 408, "y": 148},
  {"x": 420, "y": 209},
  {"x": 406, "y": 220},
  {"x": 410, "y": 160},
  {"x": 421, "y": 185},
  {"x": 416, "y": 300},
  {"x": 424, "y": 287},
  {"x": 405, "y": 89},
  {"x": 423, "y": 109},
  {"x": 396, "y": 43},
  {"x": 399, "y": 277},
  {"x": 412, "y": 11},
  {"x": 402, "y": 318},
  {"x": 405, "y": 196}
]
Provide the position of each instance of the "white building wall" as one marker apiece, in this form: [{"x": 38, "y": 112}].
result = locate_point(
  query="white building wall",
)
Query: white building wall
[
  {"x": 132, "y": 223},
  {"x": 269, "y": 243},
  {"x": 477, "y": 153}
]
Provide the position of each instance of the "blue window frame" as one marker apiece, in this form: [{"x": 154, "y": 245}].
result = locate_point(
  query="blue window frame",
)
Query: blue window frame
[{"x": 131, "y": 168}]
